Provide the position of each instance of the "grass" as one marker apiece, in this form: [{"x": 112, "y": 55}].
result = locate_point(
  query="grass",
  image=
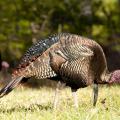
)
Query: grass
[{"x": 36, "y": 104}]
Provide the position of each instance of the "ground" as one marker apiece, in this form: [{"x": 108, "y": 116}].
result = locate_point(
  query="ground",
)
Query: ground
[{"x": 36, "y": 104}]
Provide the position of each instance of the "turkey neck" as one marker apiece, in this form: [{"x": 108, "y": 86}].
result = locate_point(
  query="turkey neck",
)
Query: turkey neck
[{"x": 99, "y": 64}]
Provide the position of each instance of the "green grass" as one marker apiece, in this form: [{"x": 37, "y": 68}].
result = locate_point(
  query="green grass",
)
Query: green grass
[{"x": 36, "y": 104}]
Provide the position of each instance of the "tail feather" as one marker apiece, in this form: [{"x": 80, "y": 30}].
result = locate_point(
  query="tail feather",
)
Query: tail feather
[{"x": 9, "y": 87}]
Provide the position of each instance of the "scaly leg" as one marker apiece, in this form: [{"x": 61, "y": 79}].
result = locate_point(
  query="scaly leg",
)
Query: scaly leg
[
  {"x": 74, "y": 94},
  {"x": 95, "y": 93},
  {"x": 57, "y": 91}
]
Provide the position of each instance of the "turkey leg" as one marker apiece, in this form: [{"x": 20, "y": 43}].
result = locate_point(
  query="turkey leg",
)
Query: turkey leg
[
  {"x": 95, "y": 93},
  {"x": 74, "y": 94},
  {"x": 57, "y": 92}
]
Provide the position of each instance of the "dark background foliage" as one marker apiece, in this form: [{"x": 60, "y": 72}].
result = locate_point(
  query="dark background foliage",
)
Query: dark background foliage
[{"x": 23, "y": 22}]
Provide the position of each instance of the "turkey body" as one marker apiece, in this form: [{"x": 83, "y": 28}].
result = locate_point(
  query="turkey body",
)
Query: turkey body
[
  {"x": 76, "y": 61},
  {"x": 74, "y": 64},
  {"x": 77, "y": 74}
]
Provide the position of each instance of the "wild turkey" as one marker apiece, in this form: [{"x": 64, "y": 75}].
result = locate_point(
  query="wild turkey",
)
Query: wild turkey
[{"x": 74, "y": 60}]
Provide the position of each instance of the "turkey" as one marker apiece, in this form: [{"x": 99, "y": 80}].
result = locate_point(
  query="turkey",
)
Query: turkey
[{"x": 71, "y": 59}]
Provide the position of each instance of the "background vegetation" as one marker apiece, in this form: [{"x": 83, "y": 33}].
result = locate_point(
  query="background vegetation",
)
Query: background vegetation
[{"x": 23, "y": 22}]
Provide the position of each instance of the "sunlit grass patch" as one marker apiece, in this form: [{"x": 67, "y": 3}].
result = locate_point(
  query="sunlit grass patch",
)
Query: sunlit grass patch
[{"x": 31, "y": 104}]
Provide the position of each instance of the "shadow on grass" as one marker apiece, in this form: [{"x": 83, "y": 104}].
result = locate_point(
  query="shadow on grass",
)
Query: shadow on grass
[{"x": 31, "y": 108}]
